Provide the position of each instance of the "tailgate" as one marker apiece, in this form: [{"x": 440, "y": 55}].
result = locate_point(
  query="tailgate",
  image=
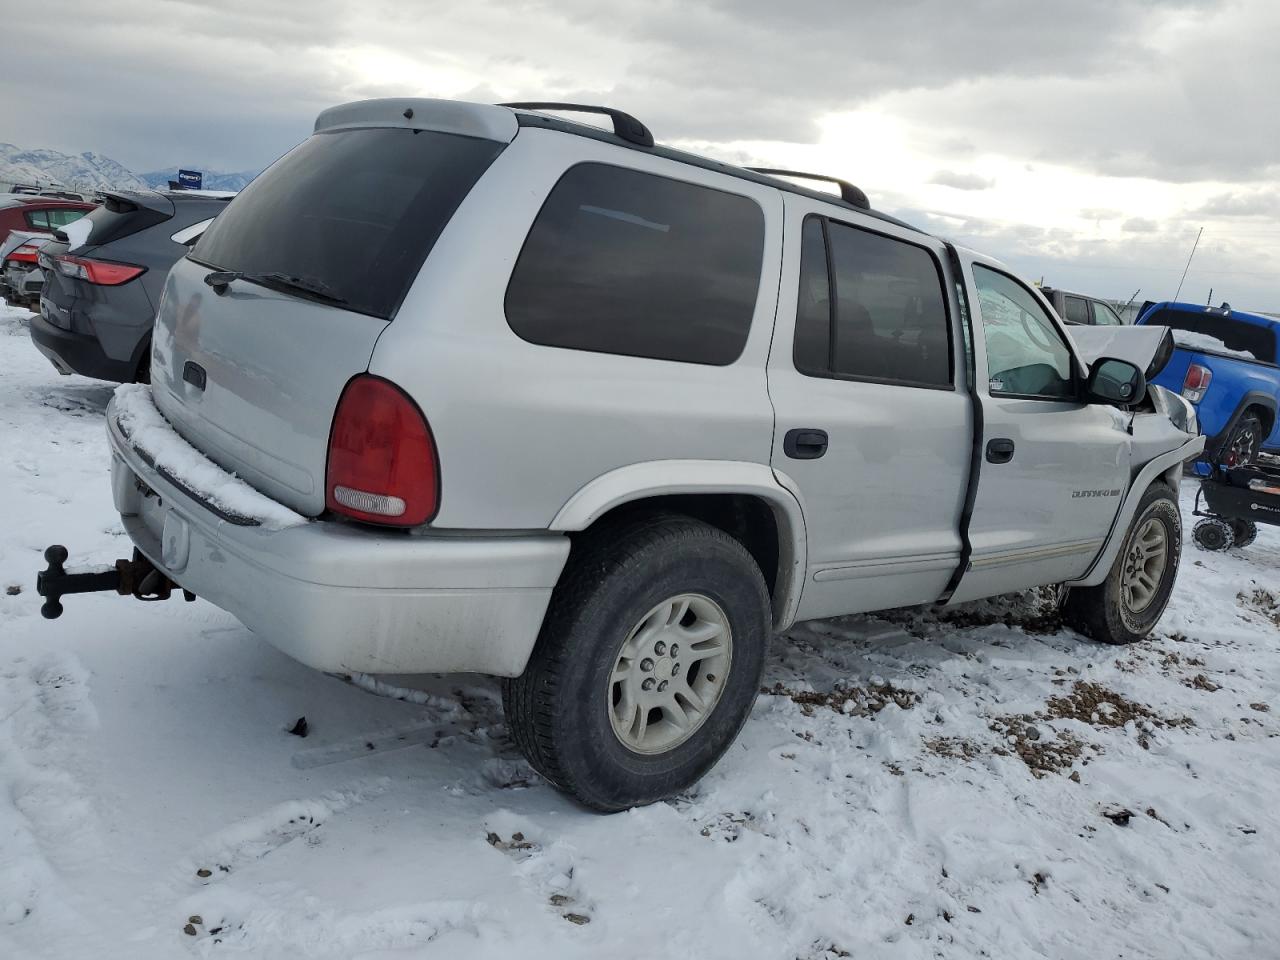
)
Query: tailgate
[
  {"x": 273, "y": 368},
  {"x": 320, "y": 250}
]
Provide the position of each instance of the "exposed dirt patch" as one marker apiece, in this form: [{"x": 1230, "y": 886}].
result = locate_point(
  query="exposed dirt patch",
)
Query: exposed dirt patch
[
  {"x": 953, "y": 748},
  {"x": 1200, "y": 682},
  {"x": 851, "y": 700},
  {"x": 1264, "y": 602},
  {"x": 1097, "y": 706},
  {"x": 1041, "y": 748},
  {"x": 1032, "y": 611}
]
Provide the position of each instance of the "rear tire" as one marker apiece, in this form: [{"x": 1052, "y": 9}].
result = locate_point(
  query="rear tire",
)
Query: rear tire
[
  {"x": 1126, "y": 605},
  {"x": 1241, "y": 448},
  {"x": 642, "y": 603},
  {"x": 1214, "y": 534}
]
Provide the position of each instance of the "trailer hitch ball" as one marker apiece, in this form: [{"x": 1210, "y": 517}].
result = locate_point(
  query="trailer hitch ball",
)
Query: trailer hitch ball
[{"x": 55, "y": 555}]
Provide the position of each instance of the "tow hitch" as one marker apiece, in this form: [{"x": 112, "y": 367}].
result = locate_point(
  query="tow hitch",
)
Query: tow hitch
[{"x": 130, "y": 578}]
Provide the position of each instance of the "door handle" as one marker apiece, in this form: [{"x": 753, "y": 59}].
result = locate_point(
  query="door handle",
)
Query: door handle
[
  {"x": 999, "y": 450},
  {"x": 805, "y": 443}
]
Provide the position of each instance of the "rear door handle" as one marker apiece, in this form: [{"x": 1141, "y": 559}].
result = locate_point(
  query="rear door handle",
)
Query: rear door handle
[
  {"x": 999, "y": 450},
  {"x": 805, "y": 443}
]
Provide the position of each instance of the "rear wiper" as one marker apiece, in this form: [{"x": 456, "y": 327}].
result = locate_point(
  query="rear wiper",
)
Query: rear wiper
[{"x": 311, "y": 286}]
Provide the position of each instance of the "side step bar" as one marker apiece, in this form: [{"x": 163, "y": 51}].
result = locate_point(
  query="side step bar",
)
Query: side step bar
[{"x": 131, "y": 578}]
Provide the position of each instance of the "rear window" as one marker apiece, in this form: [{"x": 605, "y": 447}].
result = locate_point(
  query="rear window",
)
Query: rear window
[
  {"x": 1235, "y": 335},
  {"x": 357, "y": 210},
  {"x": 620, "y": 261},
  {"x": 118, "y": 218}
]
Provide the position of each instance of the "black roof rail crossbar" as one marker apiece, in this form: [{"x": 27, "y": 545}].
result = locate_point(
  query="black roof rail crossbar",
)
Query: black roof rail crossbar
[
  {"x": 624, "y": 124},
  {"x": 848, "y": 192}
]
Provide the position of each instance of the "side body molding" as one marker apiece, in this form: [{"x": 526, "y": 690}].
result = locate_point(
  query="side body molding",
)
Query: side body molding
[
  {"x": 1166, "y": 464},
  {"x": 639, "y": 481}
]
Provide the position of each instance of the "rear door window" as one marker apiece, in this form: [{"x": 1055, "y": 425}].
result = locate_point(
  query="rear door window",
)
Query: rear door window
[
  {"x": 356, "y": 210},
  {"x": 871, "y": 307},
  {"x": 626, "y": 262},
  {"x": 1077, "y": 310}
]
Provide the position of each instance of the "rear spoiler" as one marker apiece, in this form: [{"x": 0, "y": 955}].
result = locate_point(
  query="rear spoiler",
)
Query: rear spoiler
[{"x": 1147, "y": 348}]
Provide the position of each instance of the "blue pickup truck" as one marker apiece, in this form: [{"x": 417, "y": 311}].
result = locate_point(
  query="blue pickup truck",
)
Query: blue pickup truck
[{"x": 1226, "y": 363}]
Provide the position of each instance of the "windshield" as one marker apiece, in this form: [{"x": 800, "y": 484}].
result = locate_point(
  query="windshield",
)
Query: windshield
[{"x": 355, "y": 210}]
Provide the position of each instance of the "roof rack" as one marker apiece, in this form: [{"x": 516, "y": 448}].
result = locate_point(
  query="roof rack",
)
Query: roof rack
[
  {"x": 624, "y": 124},
  {"x": 848, "y": 192}
]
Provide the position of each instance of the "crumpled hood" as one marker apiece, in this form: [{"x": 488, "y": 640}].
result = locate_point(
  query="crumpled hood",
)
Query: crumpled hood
[{"x": 1147, "y": 348}]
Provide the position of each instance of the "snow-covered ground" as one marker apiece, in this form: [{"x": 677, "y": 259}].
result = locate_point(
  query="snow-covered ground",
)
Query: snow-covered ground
[{"x": 970, "y": 783}]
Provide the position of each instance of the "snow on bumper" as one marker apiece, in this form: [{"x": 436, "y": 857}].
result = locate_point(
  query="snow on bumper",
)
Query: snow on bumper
[{"x": 338, "y": 597}]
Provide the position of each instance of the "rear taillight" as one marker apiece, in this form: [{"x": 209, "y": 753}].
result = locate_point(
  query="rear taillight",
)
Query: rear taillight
[
  {"x": 382, "y": 459},
  {"x": 26, "y": 253},
  {"x": 102, "y": 272},
  {"x": 1196, "y": 382}
]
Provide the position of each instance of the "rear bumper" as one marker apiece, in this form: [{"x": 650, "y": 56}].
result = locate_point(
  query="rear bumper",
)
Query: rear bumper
[
  {"x": 344, "y": 598},
  {"x": 77, "y": 353}
]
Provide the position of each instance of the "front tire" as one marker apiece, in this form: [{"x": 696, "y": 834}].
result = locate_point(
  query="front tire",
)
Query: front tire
[
  {"x": 648, "y": 662},
  {"x": 1126, "y": 605}
]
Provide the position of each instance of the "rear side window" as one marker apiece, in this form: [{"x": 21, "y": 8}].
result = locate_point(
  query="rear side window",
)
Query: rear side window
[
  {"x": 870, "y": 308},
  {"x": 1077, "y": 310},
  {"x": 624, "y": 262},
  {"x": 38, "y": 220},
  {"x": 356, "y": 210},
  {"x": 1236, "y": 335},
  {"x": 60, "y": 218}
]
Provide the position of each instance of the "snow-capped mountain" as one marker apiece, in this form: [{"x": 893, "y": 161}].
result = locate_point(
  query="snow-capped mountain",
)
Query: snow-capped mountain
[
  {"x": 92, "y": 171},
  {"x": 84, "y": 171}
]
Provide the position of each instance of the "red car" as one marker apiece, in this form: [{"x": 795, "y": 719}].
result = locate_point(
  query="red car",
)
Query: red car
[{"x": 46, "y": 214}]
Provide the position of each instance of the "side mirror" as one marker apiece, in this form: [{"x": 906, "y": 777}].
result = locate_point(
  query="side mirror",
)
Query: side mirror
[{"x": 1117, "y": 382}]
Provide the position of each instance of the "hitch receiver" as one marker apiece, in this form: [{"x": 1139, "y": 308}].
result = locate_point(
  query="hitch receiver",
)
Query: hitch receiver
[{"x": 137, "y": 577}]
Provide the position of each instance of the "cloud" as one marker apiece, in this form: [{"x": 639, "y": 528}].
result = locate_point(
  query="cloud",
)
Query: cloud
[
  {"x": 1254, "y": 203},
  {"x": 1139, "y": 225},
  {"x": 961, "y": 181}
]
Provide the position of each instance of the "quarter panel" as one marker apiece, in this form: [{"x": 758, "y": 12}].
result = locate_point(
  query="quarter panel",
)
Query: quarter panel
[{"x": 520, "y": 427}]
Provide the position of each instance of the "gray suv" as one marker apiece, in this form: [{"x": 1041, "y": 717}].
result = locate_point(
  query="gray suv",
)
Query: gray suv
[
  {"x": 460, "y": 387},
  {"x": 103, "y": 276}
]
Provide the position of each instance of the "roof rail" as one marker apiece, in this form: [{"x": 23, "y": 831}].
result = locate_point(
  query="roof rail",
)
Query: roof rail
[
  {"x": 848, "y": 192},
  {"x": 624, "y": 124}
]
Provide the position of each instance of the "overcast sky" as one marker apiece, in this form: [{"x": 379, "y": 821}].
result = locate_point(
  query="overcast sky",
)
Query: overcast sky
[{"x": 1085, "y": 141}]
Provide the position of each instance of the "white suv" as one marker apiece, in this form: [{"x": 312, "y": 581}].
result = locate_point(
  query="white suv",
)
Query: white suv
[{"x": 461, "y": 387}]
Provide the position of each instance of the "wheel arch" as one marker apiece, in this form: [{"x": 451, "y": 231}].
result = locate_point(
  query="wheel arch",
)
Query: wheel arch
[
  {"x": 1263, "y": 403},
  {"x": 746, "y": 500},
  {"x": 1167, "y": 469}
]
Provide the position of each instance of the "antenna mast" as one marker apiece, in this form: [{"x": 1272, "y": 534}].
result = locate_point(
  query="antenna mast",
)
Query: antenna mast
[{"x": 1188, "y": 266}]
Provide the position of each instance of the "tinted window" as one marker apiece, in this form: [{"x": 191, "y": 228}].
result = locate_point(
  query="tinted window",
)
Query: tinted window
[
  {"x": 118, "y": 218},
  {"x": 1025, "y": 355},
  {"x": 812, "y": 351},
  {"x": 60, "y": 218},
  {"x": 625, "y": 262},
  {"x": 1258, "y": 340},
  {"x": 890, "y": 318},
  {"x": 38, "y": 220},
  {"x": 1077, "y": 310},
  {"x": 357, "y": 210},
  {"x": 1104, "y": 315}
]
